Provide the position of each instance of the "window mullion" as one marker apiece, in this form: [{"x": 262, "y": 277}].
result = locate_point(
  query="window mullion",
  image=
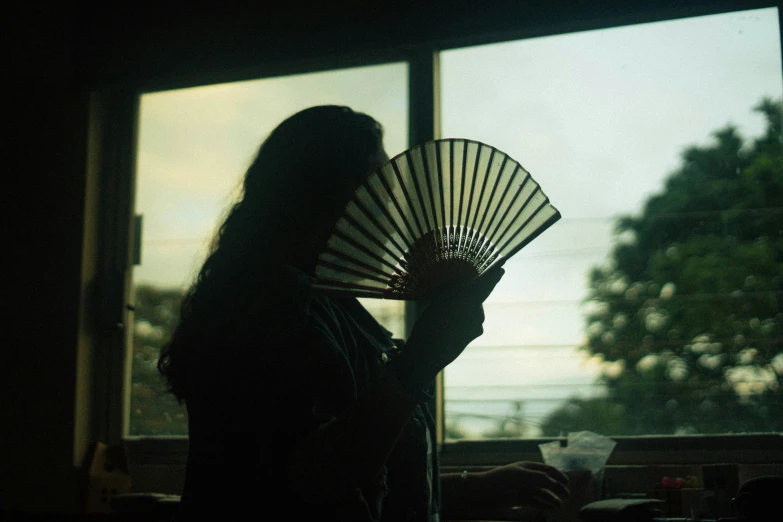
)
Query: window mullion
[
  {"x": 111, "y": 359},
  {"x": 424, "y": 126}
]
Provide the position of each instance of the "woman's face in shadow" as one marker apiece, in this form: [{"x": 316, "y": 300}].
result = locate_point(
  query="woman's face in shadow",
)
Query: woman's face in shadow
[
  {"x": 323, "y": 225},
  {"x": 381, "y": 158}
]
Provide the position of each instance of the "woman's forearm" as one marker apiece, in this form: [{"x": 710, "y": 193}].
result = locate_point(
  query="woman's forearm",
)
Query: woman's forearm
[
  {"x": 351, "y": 450},
  {"x": 458, "y": 495},
  {"x": 380, "y": 419}
]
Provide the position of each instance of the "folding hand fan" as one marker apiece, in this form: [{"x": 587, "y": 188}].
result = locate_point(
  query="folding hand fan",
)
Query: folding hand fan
[{"x": 434, "y": 216}]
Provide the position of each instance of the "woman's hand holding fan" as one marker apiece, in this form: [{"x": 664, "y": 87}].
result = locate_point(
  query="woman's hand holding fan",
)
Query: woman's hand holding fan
[
  {"x": 444, "y": 329},
  {"x": 436, "y": 223}
]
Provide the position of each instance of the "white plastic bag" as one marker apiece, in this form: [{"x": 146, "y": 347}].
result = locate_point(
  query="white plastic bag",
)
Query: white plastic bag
[{"x": 585, "y": 451}]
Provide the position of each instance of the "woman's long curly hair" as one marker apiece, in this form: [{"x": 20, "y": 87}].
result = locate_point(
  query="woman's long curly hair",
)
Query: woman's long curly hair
[{"x": 302, "y": 177}]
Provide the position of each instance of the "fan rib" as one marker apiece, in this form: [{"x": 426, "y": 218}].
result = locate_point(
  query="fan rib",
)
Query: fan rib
[
  {"x": 436, "y": 187},
  {"x": 516, "y": 216},
  {"x": 345, "y": 264},
  {"x": 444, "y": 230},
  {"x": 471, "y": 236},
  {"x": 371, "y": 236},
  {"x": 362, "y": 248},
  {"x": 348, "y": 270},
  {"x": 546, "y": 224},
  {"x": 353, "y": 291},
  {"x": 429, "y": 258},
  {"x": 490, "y": 199},
  {"x": 379, "y": 226},
  {"x": 451, "y": 183},
  {"x": 486, "y": 248},
  {"x": 418, "y": 193},
  {"x": 462, "y": 191},
  {"x": 453, "y": 241},
  {"x": 501, "y": 204},
  {"x": 510, "y": 206},
  {"x": 377, "y": 199},
  {"x": 408, "y": 200},
  {"x": 531, "y": 216},
  {"x": 430, "y": 191},
  {"x": 483, "y": 189},
  {"x": 461, "y": 230},
  {"x": 439, "y": 163},
  {"x": 472, "y": 187},
  {"x": 348, "y": 286}
]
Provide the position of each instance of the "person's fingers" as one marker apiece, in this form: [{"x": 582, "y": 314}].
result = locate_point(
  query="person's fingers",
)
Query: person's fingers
[
  {"x": 548, "y": 501},
  {"x": 521, "y": 513},
  {"x": 476, "y": 291},
  {"x": 543, "y": 499},
  {"x": 544, "y": 481},
  {"x": 483, "y": 286},
  {"x": 475, "y": 321},
  {"x": 514, "y": 513},
  {"x": 559, "y": 489},
  {"x": 468, "y": 316},
  {"x": 549, "y": 470},
  {"x": 473, "y": 331}
]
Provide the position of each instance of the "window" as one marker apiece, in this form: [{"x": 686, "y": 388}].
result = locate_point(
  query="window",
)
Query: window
[
  {"x": 601, "y": 119},
  {"x": 194, "y": 147}
]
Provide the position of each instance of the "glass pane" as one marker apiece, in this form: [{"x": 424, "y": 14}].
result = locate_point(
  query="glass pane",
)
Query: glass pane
[
  {"x": 667, "y": 323},
  {"x": 194, "y": 146}
]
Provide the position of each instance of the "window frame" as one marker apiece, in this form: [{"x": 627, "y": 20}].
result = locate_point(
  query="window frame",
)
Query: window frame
[{"x": 119, "y": 109}]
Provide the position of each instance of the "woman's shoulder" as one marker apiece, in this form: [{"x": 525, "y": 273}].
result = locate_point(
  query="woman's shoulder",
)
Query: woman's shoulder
[
  {"x": 290, "y": 286},
  {"x": 290, "y": 303},
  {"x": 285, "y": 299}
]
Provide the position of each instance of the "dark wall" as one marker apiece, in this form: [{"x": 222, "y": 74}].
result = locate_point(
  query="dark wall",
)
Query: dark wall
[
  {"x": 58, "y": 55},
  {"x": 44, "y": 190},
  {"x": 155, "y": 47}
]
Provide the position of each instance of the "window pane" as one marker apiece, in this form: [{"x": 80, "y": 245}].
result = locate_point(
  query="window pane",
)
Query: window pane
[
  {"x": 194, "y": 147},
  {"x": 671, "y": 323}
]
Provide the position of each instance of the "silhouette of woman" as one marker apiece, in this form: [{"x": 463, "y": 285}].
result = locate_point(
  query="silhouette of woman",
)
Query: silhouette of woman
[{"x": 302, "y": 405}]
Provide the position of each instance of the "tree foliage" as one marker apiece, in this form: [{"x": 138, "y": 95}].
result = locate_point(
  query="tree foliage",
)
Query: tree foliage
[
  {"x": 154, "y": 411},
  {"x": 689, "y": 311}
]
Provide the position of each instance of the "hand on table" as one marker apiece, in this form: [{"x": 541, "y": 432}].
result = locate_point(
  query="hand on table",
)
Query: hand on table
[{"x": 524, "y": 484}]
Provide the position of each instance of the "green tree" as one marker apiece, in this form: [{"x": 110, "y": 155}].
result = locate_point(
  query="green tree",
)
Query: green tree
[
  {"x": 153, "y": 410},
  {"x": 689, "y": 312}
]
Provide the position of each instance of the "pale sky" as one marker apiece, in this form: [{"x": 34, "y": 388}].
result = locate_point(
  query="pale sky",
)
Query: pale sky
[{"x": 599, "y": 119}]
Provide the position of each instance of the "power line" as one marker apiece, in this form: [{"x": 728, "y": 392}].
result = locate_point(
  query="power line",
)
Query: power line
[
  {"x": 646, "y": 384},
  {"x": 703, "y": 296}
]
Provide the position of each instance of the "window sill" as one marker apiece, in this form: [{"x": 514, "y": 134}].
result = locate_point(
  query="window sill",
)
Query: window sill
[{"x": 763, "y": 448}]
